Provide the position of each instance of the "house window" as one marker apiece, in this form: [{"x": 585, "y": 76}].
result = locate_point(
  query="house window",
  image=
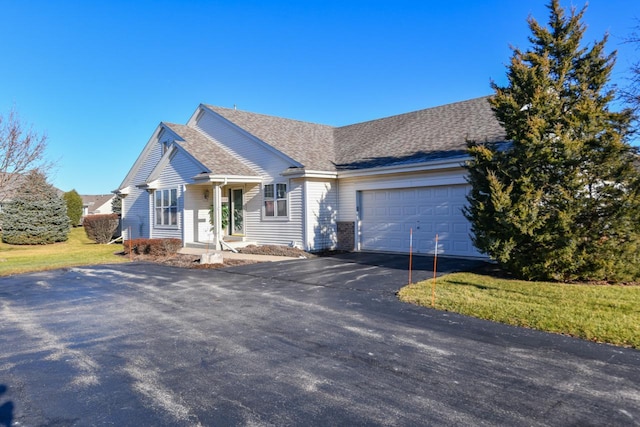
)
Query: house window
[
  {"x": 167, "y": 207},
  {"x": 275, "y": 200}
]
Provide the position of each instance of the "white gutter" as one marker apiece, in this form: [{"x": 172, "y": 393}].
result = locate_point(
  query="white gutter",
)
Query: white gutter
[
  {"x": 450, "y": 163},
  {"x": 224, "y": 179},
  {"x": 303, "y": 173}
]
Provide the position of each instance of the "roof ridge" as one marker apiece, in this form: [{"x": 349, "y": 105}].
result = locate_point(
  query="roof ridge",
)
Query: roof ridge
[
  {"x": 436, "y": 107},
  {"x": 271, "y": 116}
]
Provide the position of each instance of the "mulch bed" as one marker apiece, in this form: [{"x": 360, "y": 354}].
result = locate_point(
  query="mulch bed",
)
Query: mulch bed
[{"x": 193, "y": 261}]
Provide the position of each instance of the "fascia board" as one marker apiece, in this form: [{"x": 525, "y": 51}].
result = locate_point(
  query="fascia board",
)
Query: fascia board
[
  {"x": 309, "y": 174},
  {"x": 141, "y": 158},
  {"x": 233, "y": 179},
  {"x": 252, "y": 137},
  {"x": 122, "y": 191},
  {"x": 150, "y": 185},
  {"x": 164, "y": 161},
  {"x": 194, "y": 117},
  {"x": 172, "y": 150},
  {"x": 417, "y": 167}
]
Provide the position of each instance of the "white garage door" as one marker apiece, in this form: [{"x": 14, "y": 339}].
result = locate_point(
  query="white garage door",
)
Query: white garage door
[{"x": 387, "y": 216}]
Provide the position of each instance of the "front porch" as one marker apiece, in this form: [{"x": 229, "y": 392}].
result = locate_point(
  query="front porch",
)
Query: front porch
[{"x": 215, "y": 215}]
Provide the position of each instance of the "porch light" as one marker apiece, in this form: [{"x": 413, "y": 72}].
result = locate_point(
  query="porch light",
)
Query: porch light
[{"x": 205, "y": 194}]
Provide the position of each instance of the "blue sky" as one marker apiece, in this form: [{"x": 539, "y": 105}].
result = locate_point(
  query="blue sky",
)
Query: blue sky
[{"x": 98, "y": 77}]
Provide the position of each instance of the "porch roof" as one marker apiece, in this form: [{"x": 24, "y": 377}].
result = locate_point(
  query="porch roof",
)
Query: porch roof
[{"x": 214, "y": 157}]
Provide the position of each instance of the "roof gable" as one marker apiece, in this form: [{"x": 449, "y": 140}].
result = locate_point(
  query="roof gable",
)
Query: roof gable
[
  {"x": 310, "y": 144},
  {"x": 208, "y": 153}
]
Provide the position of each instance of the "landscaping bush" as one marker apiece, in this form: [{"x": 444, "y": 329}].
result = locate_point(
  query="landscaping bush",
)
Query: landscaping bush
[
  {"x": 74, "y": 207},
  {"x": 154, "y": 247},
  {"x": 36, "y": 215},
  {"x": 100, "y": 228}
]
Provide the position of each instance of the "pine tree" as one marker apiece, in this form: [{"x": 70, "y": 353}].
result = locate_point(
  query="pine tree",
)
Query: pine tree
[
  {"x": 36, "y": 214},
  {"x": 562, "y": 199},
  {"x": 116, "y": 204},
  {"x": 74, "y": 207}
]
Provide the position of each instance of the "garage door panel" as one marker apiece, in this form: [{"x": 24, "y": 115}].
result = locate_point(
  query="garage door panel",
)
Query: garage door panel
[
  {"x": 407, "y": 195},
  {"x": 460, "y": 228},
  {"x": 388, "y": 217},
  {"x": 410, "y": 210}
]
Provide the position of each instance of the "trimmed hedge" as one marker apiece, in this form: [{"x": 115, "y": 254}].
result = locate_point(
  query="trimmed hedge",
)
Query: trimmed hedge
[
  {"x": 74, "y": 207},
  {"x": 157, "y": 247},
  {"x": 100, "y": 228}
]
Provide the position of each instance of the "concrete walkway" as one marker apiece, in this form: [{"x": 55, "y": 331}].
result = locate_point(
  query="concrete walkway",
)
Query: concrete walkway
[{"x": 232, "y": 255}]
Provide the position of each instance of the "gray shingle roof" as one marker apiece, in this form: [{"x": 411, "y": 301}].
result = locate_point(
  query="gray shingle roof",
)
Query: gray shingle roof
[
  {"x": 93, "y": 201},
  {"x": 430, "y": 134},
  {"x": 307, "y": 143},
  {"x": 210, "y": 154}
]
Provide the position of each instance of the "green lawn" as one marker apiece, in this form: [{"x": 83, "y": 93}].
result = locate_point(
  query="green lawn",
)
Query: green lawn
[
  {"x": 599, "y": 313},
  {"x": 78, "y": 250}
]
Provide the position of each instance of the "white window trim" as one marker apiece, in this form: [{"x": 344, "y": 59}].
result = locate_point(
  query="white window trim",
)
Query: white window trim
[
  {"x": 155, "y": 208},
  {"x": 275, "y": 199}
]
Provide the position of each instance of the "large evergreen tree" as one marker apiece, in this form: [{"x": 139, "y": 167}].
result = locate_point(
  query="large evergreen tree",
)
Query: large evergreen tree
[
  {"x": 74, "y": 207},
  {"x": 36, "y": 214},
  {"x": 561, "y": 200}
]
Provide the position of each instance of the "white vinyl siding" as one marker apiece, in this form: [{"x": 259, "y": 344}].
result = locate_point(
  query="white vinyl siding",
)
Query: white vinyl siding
[
  {"x": 136, "y": 215},
  {"x": 280, "y": 232},
  {"x": 321, "y": 213},
  {"x": 179, "y": 171}
]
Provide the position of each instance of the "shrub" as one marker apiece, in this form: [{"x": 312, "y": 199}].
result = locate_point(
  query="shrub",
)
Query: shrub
[
  {"x": 74, "y": 207},
  {"x": 100, "y": 228},
  {"x": 36, "y": 215},
  {"x": 155, "y": 247}
]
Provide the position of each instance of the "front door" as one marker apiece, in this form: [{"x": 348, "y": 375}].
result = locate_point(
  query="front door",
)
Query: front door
[
  {"x": 236, "y": 211},
  {"x": 204, "y": 231}
]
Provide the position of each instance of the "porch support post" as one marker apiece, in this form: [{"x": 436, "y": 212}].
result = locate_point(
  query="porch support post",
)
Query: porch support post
[{"x": 217, "y": 209}]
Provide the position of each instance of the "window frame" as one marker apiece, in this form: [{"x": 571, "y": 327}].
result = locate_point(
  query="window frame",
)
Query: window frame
[
  {"x": 277, "y": 194},
  {"x": 166, "y": 215}
]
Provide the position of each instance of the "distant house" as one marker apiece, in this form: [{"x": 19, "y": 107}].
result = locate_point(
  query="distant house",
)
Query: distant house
[
  {"x": 271, "y": 180},
  {"x": 97, "y": 204}
]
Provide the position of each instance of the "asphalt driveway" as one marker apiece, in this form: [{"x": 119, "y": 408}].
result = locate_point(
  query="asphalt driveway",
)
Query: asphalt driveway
[{"x": 313, "y": 342}]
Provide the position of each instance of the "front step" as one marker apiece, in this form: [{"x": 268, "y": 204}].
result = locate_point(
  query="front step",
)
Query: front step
[{"x": 236, "y": 244}]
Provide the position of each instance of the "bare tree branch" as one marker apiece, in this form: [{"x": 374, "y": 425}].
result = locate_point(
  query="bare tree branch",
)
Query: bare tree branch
[
  {"x": 631, "y": 94},
  {"x": 21, "y": 151}
]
